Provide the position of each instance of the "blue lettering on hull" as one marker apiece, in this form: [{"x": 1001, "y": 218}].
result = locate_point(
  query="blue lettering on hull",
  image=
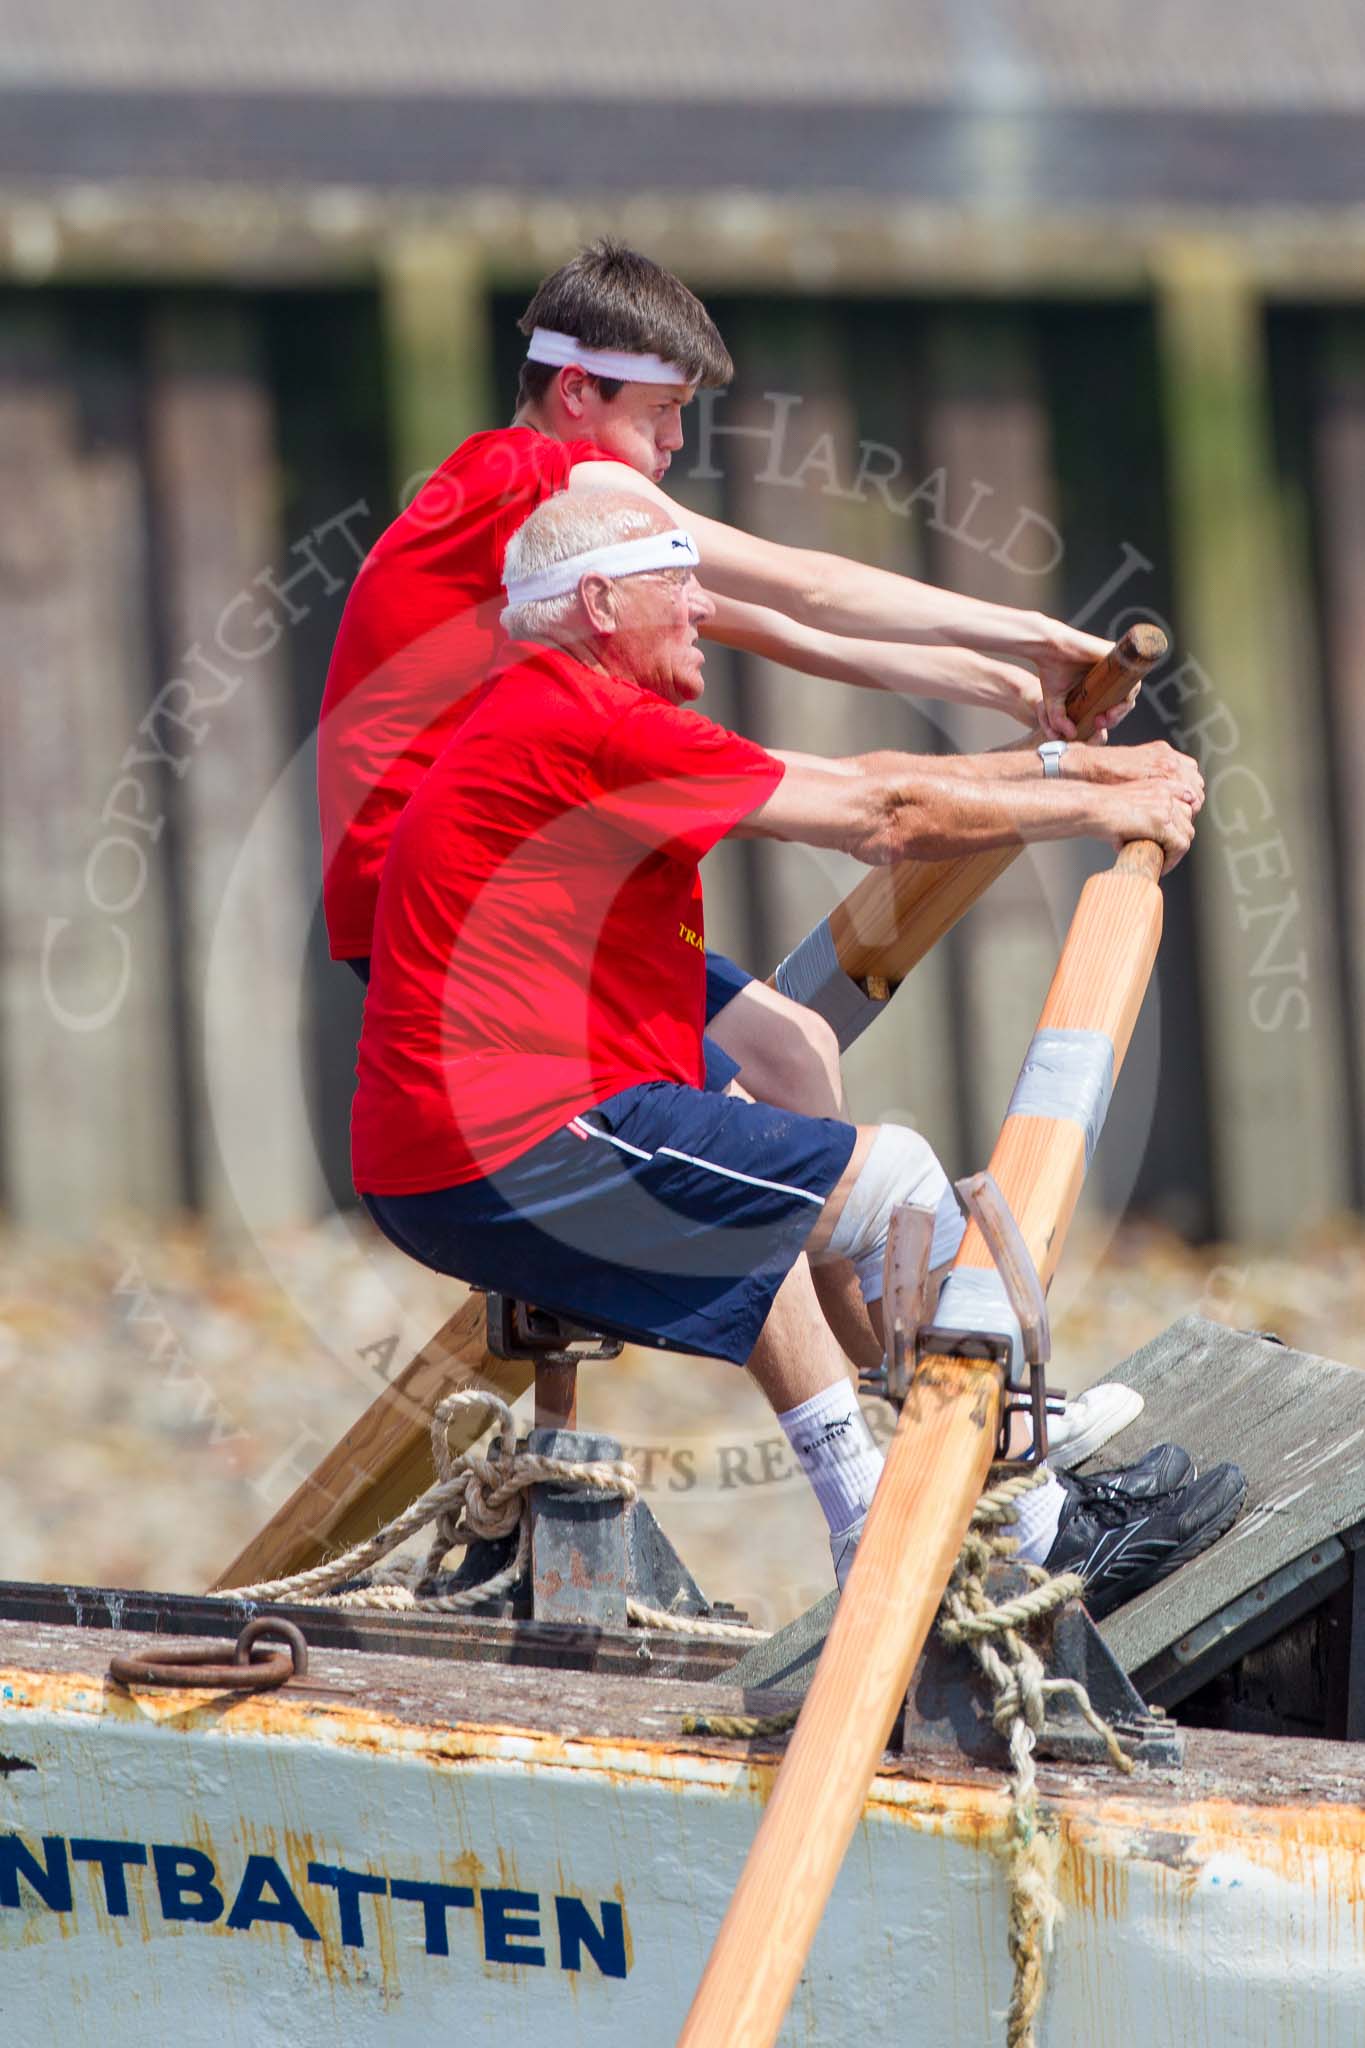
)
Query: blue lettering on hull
[{"x": 518, "y": 1929}]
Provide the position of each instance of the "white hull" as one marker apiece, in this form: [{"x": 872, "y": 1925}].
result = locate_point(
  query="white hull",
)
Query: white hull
[{"x": 1206, "y": 1905}]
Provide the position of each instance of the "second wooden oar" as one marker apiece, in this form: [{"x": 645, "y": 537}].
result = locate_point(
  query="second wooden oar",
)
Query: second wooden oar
[
  {"x": 384, "y": 1459},
  {"x": 853, "y": 959},
  {"x": 935, "y": 1469}
]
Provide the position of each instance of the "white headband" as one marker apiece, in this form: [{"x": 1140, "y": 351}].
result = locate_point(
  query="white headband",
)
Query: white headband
[
  {"x": 563, "y": 350},
  {"x": 673, "y": 549}
]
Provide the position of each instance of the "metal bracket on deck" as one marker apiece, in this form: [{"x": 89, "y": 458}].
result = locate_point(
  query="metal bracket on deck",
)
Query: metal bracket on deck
[
  {"x": 1022, "y": 1336},
  {"x": 591, "y": 1553},
  {"x": 947, "y": 1702},
  {"x": 948, "y": 1708}
]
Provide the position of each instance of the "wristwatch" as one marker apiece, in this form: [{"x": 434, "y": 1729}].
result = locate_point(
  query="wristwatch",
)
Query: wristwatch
[{"x": 1051, "y": 752}]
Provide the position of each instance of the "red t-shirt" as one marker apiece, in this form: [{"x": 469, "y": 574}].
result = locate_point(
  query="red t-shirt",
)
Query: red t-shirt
[
  {"x": 539, "y": 942},
  {"x": 419, "y": 630}
]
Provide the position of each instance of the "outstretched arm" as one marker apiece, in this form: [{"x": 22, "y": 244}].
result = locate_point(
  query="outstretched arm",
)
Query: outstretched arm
[
  {"x": 954, "y": 675},
  {"x": 853, "y": 600},
  {"x": 907, "y": 808},
  {"x": 1101, "y": 767}
]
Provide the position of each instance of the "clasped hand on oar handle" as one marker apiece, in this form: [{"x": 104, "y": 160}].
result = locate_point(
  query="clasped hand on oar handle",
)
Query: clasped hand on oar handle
[{"x": 1115, "y": 676}]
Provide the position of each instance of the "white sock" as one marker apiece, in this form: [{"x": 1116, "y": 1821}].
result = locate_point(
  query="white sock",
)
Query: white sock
[
  {"x": 1039, "y": 1514},
  {"x": 834, "y": 1449}
]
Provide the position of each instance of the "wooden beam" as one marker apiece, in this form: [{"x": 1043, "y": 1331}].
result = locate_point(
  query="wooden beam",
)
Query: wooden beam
[
  {"x": 1339, "y": 436},
  {"x": 935, "y": 1469},
  {"x": 778, "y": 487},
  {"x": 878, "y": 247},
  {"x": 1246, "y": 701},
  {"x": 985, "y": 416},
  {"x": 384, "y": 1460},
  {"x": 791, "y": 483},
  {"x": 439, "y": 348},
  {"x": 87, "y": 1046},
  {"x": 225, "y": 723}
]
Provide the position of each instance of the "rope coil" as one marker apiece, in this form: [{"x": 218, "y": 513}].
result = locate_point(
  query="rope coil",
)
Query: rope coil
[{"x": 476, "y": 1497}]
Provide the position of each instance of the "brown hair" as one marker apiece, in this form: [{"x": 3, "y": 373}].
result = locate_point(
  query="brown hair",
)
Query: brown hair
[{"x": 610, "y": 296}]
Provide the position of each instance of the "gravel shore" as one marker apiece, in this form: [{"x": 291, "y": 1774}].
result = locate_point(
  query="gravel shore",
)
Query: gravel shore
[{"x": 162, "y": 1393}]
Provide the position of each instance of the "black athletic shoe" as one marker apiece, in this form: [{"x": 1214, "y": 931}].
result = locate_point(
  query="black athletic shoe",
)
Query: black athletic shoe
[
  {"x": 1164, "y": 1469},
  {"x": 1121, "y": 1545}
]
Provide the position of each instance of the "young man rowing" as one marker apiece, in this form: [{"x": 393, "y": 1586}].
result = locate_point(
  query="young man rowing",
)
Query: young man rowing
[
  {"x": 531, "y": 1097},
  {"x": 617, "y": 348}
]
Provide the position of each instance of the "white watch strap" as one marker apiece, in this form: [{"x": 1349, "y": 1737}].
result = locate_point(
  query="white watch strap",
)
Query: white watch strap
[{"x": 1050, "y": 752}]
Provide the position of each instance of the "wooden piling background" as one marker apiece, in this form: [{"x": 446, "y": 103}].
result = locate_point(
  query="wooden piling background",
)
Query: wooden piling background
[{"x": 163, "y": 449}]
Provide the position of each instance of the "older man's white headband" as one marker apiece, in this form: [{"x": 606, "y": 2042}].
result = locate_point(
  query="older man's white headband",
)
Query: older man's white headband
[
  {"x": 674, "y": 549},
  {"x": 562, "y": 351}
]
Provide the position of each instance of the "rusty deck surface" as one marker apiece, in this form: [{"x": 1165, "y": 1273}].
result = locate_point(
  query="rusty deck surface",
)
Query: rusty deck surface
[{"x": 347, "y": 1691}]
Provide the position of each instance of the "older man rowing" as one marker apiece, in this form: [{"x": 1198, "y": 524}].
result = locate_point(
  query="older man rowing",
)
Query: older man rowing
[{"x": 531, "y": 1112}]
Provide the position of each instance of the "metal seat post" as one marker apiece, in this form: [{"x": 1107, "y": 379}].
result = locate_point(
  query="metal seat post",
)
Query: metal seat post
[{"x": 556, "y": 1393}]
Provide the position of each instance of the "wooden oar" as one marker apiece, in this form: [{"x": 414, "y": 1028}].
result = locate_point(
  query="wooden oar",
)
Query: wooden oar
[
  {"x": 384, "y": 1460},
  {"x": 935, "y": 1469},
  {"x": 893, "y": 916}
]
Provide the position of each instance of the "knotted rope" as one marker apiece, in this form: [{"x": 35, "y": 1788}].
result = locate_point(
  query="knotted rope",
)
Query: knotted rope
[
  {"x": 1016, "y": 1676},
  {"x": 475, "y": 1497}
]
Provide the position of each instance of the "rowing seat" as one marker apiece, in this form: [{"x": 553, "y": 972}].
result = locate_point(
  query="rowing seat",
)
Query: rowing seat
[
  {"x": 591, "y": 1556},
  {"x": 518, "y": 1329}
]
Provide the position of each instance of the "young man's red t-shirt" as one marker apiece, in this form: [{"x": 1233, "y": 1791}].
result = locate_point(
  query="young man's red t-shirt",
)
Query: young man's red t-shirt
[
  {"x": 419, "y": 631},
  {"x": 539, "y": 942}
]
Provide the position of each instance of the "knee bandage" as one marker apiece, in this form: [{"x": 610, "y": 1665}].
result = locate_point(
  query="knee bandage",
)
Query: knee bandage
[{"x": 901, "y": 1167}]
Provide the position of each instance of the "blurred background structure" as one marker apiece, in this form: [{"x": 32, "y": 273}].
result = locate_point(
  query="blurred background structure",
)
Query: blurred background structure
[
  {"x": 1057, "y": 304},
  {"x": 1061, "y": 304}
]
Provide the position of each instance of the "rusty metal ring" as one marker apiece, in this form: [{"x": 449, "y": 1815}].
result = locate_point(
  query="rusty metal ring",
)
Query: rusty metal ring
[{"x": 249, "y": 1671}]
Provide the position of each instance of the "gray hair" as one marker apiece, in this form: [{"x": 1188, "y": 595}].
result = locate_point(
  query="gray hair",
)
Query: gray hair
[{"x": 568, "y": 524}]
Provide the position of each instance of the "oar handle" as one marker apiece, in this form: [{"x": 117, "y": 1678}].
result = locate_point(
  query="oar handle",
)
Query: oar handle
[
  {"x": 1141, "y": 857},
  {"x": 1114, "y": 675}
]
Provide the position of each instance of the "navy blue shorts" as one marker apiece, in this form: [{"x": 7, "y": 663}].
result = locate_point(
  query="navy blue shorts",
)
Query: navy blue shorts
[
  {"x": 669, "y": 1216},
  {"x": 723, "y": 983}
]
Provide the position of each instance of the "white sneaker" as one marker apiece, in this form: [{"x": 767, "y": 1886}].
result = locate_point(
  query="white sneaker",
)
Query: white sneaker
[
  {"x": 1089, "y": 1421},
  {"x": 842, "y": 1547}
]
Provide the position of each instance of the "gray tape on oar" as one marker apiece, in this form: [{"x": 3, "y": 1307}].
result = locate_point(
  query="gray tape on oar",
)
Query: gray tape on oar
[
  {"x": 811, "y": 974},
  {"x": 1067, "y": 1074},
  {"x": 974, "y": 1301}
]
